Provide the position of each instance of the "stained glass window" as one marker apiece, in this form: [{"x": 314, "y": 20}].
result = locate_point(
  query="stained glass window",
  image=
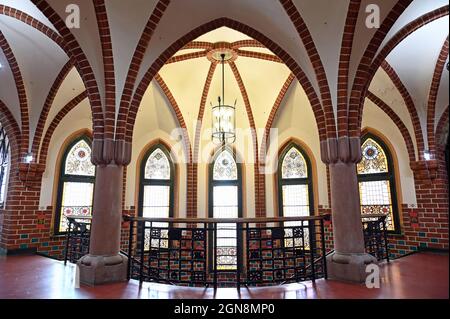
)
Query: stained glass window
[
  {"x": 78, "y": 161},
  {"x": 294, "y": 189},
  {"x": 377, "y": 181},
  {"x": 294, "y": 165},
  {"x": 76, "y": 185},
  {"x": 157, "y": 192},
  {"x": 225, "y": 167},
  {"x": 4, "y": 163},
  {"x": 225, "y": 204},
  {"x": 373, "y": 158},
  {"x": 157, "y": 166}
]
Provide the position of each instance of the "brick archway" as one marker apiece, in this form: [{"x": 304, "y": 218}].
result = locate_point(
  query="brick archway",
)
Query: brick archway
[
  {"x": 368, "y": 67},
  {"x": 125, "y": 128}
]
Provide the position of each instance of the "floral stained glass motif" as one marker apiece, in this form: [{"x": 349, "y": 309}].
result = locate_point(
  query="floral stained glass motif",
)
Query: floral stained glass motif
[
  {"x": 4, "y": 163},
  {"x": 78, "y": 161},
  {"x": 157, "y": 166},
  {"x": 225, "y": 168},
  {"x": 294, "y": 165},
  {"x": 76, "y": 201},
  {"x": 376, "y": 199},
  {"x": 373, "y": 158}
]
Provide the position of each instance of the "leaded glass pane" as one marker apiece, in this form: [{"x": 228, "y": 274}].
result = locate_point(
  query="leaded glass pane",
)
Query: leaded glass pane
[
  {"x": 373, "y": 158},
  {"x": 375, "y": 198},
  {"x": 4, "y": 163},
  {"x": 295, "y": 204},
  {"x": 78, "y": 161},
  {"x": 156, "y": 204},
  {"x": 76, "y": 201},
  {"x": 157, "y": 166},
  {"x": 294, "y": 165},
  {"x": 225, "y": 167},
  {"x": 226, "y": 206}
]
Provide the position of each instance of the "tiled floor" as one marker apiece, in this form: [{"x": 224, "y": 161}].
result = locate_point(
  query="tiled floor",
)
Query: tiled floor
[{"x": 423, "y": 275}]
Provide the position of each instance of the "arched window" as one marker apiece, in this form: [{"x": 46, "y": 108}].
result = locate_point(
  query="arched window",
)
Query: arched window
[
  {"x": 225, "y": 189},
  {"x": 76, "y": 183},
  {"x": 156, "y": 191},
  {"x": 4, "y": 164},
  {"x": 295, "y": 183},
  {"x": 157, "y": 184},
  {"x": 377, "y": 181},
  {"x": 294, "y": 187}
]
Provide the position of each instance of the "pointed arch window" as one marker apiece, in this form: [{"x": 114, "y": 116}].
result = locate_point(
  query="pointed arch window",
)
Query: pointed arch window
[
  {"x": 76, "y": 183},
  {"x": 294, "y": 187},
  {"x": 225, "y": 189},
  {"x": 376, "y": 180},
  {"x": 4, "y": 164},
  {"x": 156, "y": 192}
]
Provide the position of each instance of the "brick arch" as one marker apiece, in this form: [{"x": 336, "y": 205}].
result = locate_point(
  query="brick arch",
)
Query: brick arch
[
  {"x": 409, "y": 104},
  {"x": 21, "y": 93},
  {"x": 259, "y": 196},
  {"x": 55, "y": 122},
  {"x": 344, "y": 64},
  {"x": 441, "y": 125},
  {"x": 367, "y": 69},
  {"x": 81, "y": 63},
  {"x": 125, "y": 128},
  {"x": 316, "y": 62},
  {"x": 432, "y": 97},
  {"x": 48, "y": 104},
  {"x": 34, "y": 23},
  {"x": 12, "y": 130},
  {"x": 363, "y": 70},
  {"x": 108, "y": 67},
  {"x": 273, "y": 113},
  {"x": 263, "y": 151},
  {"x": 178, "y": 114},
  {"x": 135, "y": 65},
  {"x": 398, "y": 122},
  {"x": 192, "y": 172}
]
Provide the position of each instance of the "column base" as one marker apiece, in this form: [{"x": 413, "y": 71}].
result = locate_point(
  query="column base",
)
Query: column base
[
  {"x": 97, "y": 270},
  {"x": 349, "y": 267}
]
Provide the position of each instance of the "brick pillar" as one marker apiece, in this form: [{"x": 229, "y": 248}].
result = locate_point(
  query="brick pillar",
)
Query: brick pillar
[
  {"x": 349, "y": 260},
  {"x": 104, "y": 263},
  {"x": 19, "y": 230}
]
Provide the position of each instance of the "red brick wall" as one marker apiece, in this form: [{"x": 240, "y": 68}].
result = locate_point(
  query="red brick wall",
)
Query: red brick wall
[{"x": 431, "y": 231}]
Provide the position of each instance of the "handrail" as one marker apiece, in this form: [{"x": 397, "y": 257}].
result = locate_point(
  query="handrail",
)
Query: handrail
[{"x": 250, "y": 220}]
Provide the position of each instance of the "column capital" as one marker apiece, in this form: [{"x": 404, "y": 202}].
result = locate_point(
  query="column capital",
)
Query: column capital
[
  {"x": 109, "y": 151},
  {"x": 424, "y": 170},
  {"x": 343, "y": 149},
  {"x": 31, "y": 173}
]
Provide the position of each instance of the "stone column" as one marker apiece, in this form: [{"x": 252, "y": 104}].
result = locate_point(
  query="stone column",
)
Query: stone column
[
  {"x": 349, "y": 260},
  {"x": 104, "y": 263}
]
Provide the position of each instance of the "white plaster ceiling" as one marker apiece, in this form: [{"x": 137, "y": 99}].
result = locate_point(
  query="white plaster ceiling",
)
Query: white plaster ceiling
[
  {"x": 415, "y": 10},
  {"x": 87, "y": 36},
  {"x": 70, "y": 88},
  {"x": 384, "y": 88},
  {"x": 29, "y": 8},
  {"x": 8, "y": 91},
  {"x": 414, "y": 60},
  {"x": 30, "y": 46}
]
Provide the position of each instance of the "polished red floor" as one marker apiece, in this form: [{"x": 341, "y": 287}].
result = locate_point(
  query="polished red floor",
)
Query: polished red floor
[{"x": 423, "y": 275}]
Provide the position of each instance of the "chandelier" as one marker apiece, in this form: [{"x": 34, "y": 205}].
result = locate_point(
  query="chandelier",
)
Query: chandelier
[{"x": 223, "y": 115}]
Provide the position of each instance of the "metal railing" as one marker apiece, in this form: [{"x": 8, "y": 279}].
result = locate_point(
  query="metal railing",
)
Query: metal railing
[
  {"x": 376, "y": 236},
  {"x": 187, "y": 251},
  {"x": 77, "y": 237},
  {"x": 268, "y": 251}
]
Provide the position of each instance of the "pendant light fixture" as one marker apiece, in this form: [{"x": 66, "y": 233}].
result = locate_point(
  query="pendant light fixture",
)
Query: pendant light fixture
[{"x": 223, "y": 116}]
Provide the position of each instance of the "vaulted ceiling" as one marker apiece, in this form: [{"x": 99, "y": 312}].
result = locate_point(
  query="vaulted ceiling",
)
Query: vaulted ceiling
[{"x": 122, "y": 45}]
